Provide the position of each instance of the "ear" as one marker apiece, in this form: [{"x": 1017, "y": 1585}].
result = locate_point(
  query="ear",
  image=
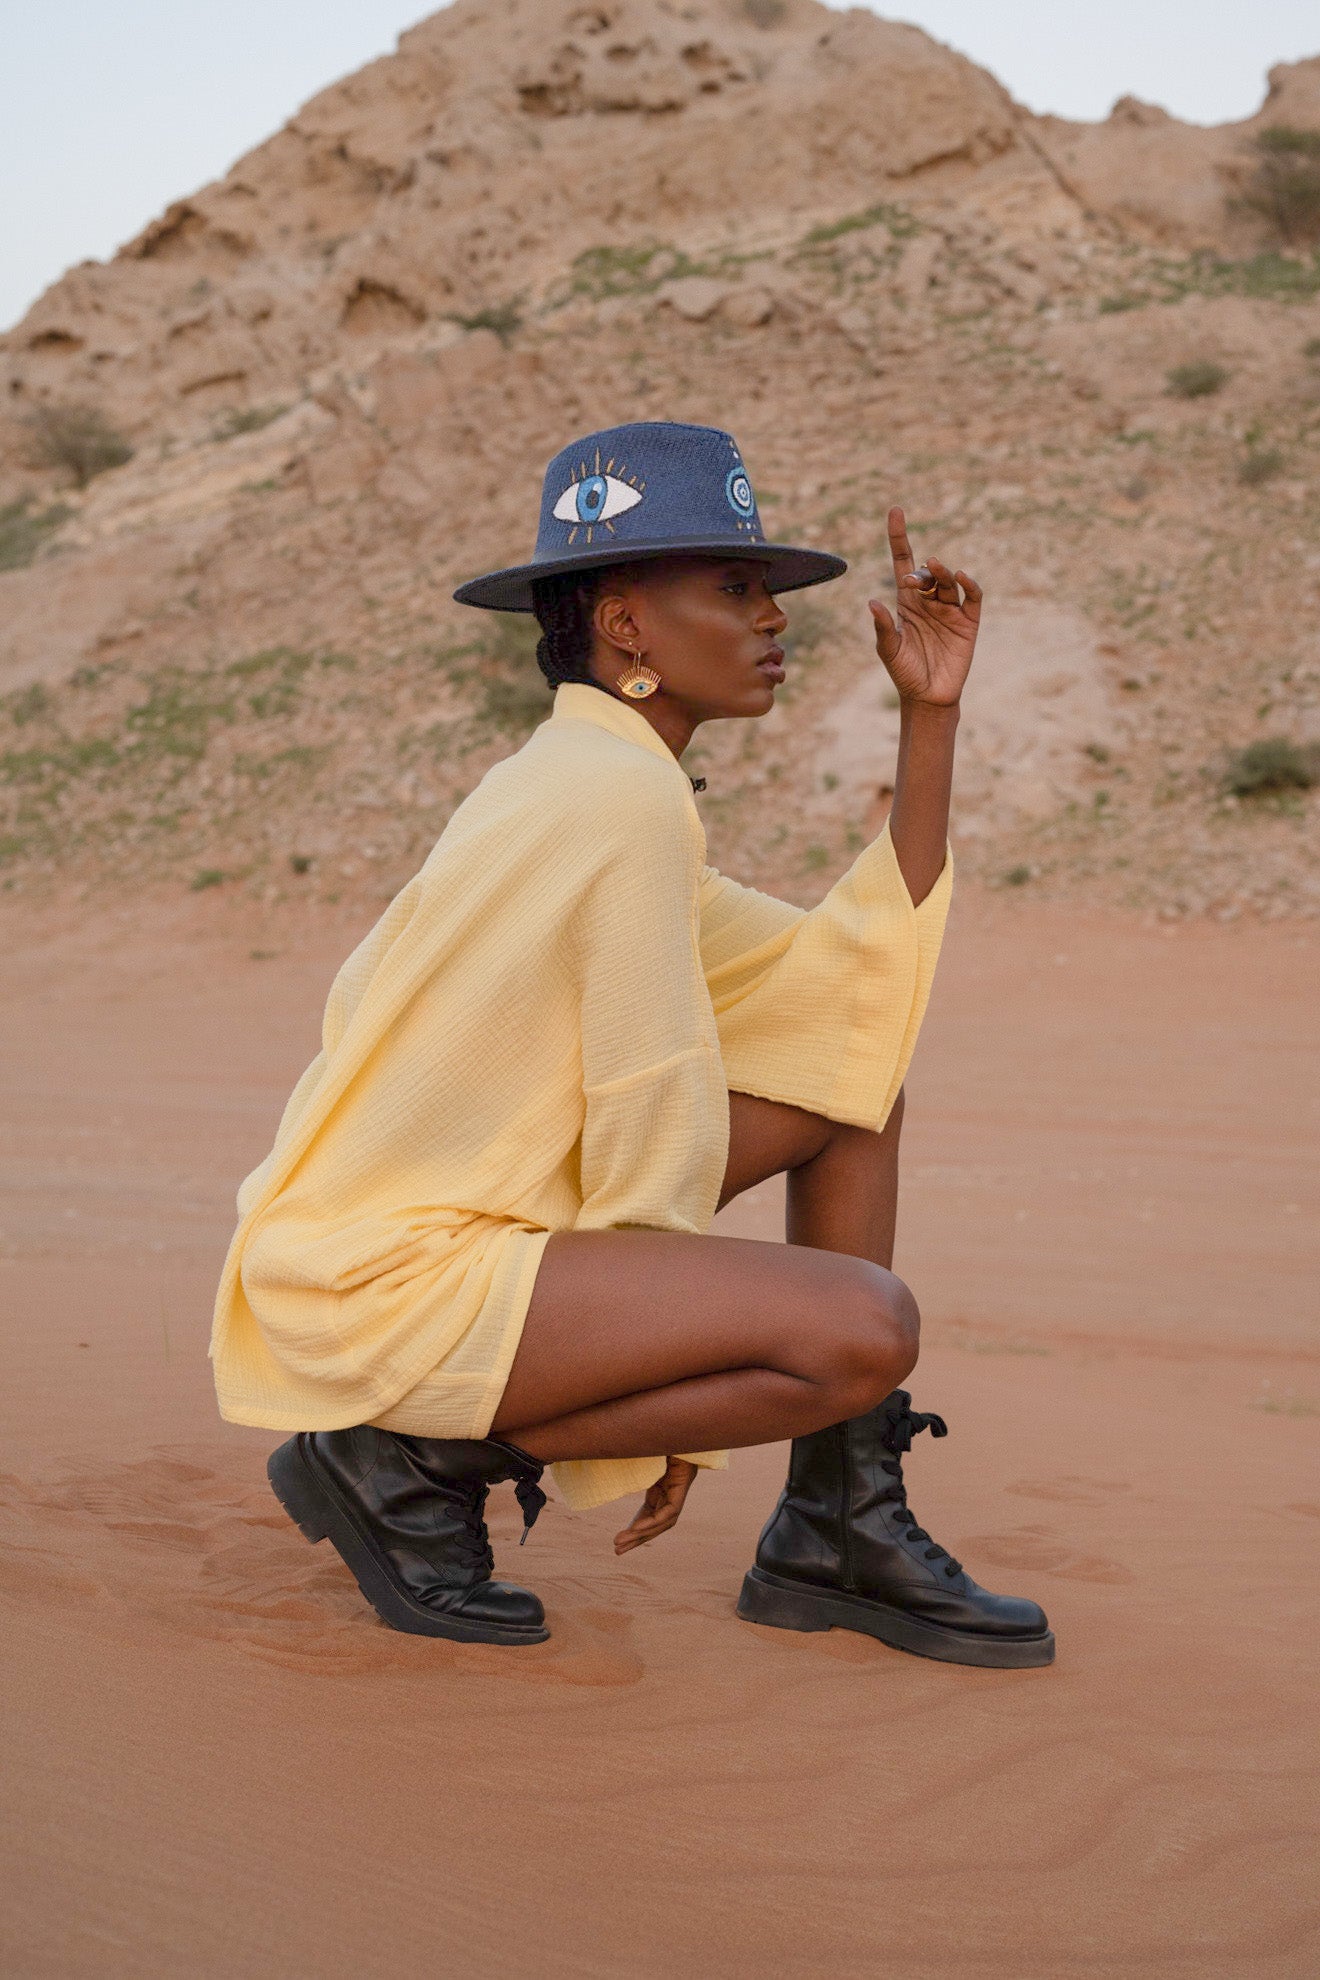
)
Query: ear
[{"x": 613, "y": 619}]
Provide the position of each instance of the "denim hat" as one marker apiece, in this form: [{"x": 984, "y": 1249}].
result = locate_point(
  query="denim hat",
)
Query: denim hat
[{"x": 652, "y": 489}]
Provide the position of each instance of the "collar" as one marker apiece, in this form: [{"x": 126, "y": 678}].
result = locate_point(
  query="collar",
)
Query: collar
[{"x": 575, "y": 701}]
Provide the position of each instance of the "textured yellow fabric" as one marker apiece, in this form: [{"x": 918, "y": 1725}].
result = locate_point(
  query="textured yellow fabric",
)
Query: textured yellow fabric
[{"x": 539, "y": 1035}]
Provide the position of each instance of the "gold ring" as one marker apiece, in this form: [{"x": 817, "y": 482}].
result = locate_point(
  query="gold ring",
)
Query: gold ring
[{"x": 927, "y": 590}]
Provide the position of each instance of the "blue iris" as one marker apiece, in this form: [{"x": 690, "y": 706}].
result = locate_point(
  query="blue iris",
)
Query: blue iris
[
  {"x": 739, "y": 491},
  {"x": 591, "y": 495}
]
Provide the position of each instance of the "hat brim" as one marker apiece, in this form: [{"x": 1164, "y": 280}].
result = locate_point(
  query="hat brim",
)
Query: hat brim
[{"x": 791, "y": 569}]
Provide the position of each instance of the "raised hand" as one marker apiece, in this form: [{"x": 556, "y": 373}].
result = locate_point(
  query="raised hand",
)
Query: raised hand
[{"x": 929, "y": 650}]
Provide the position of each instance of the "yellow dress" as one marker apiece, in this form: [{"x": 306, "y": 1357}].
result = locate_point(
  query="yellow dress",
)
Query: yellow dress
[{"x": 539, "y": 1035}]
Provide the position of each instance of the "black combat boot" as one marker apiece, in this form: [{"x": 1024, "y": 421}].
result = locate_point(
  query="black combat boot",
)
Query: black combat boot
[
  {"x": 407, "y": 1515},
  {"x": 842, "y": 1550}
]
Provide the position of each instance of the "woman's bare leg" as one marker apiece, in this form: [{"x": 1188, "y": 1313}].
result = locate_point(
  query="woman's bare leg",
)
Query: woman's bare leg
[{"x": 638, "y": 1342}]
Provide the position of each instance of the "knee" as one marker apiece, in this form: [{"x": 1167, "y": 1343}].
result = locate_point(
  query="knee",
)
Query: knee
[{"x": 873, "y": 1339}]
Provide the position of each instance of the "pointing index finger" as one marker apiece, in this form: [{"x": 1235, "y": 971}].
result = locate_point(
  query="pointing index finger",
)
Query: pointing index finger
[{"x": 899, "y": 547}]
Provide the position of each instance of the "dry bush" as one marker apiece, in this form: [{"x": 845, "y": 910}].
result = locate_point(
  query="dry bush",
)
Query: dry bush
[
  {"x": 247, "y": 419},
  {"x": 77, "y": 440},
  {"x": 24, "y": 529},
  {"x": 1196, "y": 380},
  {"x": 1271, "y": 765},
  {"x": 1284, "y": 188},
  {"x": 1261, "y": 464}
]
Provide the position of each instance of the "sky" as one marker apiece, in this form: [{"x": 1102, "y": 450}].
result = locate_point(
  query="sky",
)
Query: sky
[{"x": 109, "y": 109}]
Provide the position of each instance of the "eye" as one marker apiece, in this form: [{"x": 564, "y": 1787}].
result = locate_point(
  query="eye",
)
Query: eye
[
  {"x": 739, "y": 589},
  {"x": 596, "y": 499},
  {"x": 739, "y": 491}
]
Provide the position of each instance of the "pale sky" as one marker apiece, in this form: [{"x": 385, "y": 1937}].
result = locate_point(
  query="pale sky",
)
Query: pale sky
[{"x": 109, "y": 111}]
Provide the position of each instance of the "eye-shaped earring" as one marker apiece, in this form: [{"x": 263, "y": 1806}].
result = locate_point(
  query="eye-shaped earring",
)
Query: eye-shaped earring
[{"x": 639, "y": 681}]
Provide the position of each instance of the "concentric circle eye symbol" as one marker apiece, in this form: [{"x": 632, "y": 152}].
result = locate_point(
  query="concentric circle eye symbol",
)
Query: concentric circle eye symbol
[
  {"x": 739, "y": 491},
  {"x": 596, "y": 499}
]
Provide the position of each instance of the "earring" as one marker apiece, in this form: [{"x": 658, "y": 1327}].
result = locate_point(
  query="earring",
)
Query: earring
[{"x": 639, "y": 681}]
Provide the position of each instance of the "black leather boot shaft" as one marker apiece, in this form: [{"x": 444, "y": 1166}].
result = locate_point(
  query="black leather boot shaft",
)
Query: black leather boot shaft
[
  {"x": 408, "y": 1516},
  {"x": 843, "y": 1549}
]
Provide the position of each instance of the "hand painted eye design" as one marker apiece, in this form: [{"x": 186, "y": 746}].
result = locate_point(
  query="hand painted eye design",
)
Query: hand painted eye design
[
  {"x": 596, "y": 498},
  {"x": 739, "y": 491}
]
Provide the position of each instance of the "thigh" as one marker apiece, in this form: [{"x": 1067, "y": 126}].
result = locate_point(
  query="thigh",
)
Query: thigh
[{"x": 615, "y": 1312}]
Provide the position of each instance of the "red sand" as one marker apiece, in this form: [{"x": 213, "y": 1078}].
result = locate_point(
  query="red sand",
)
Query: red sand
[{"x": 221, "y": 1765}]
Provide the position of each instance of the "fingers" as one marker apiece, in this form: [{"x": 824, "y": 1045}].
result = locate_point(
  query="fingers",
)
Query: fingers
[
  {"x": 660, "y": 1508},
  {"x": 899, "y": 547},
  {"x": 935, "y": 584},
  {"x": 972, "y": 595},
  {"x": 887, "y": 636},
  {"x": 911, "y": 578},
  {"x": 647, "y": 1525}
]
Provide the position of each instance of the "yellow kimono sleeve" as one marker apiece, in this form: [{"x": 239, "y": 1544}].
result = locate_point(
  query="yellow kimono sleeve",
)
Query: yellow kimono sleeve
[{"x": 821, "y": 1008}]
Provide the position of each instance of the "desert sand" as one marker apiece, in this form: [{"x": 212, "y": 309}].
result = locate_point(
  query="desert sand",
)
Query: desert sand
[{"x": 220, "y": 1764}]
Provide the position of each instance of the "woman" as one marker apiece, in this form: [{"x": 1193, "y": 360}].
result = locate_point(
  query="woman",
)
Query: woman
[{"x": 479, "y": 1244}]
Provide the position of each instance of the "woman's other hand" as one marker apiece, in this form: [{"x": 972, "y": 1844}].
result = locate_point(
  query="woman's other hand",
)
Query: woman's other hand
[
  {"x": 929, "y": 651},
  {"x": 660, "y": 1508}
]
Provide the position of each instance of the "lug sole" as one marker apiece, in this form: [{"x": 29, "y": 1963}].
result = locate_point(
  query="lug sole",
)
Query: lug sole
[
  {"x": 782, "y": 1604},
  {"x": 320, "y": 1512}
]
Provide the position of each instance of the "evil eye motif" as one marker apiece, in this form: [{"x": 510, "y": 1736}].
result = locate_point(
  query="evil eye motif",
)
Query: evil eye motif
[
  {"x": 739, "y": 491},
  {"x": 597, "y": 498}
]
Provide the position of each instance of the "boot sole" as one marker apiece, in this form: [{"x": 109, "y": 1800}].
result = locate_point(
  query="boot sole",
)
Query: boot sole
[
  {"x": 320, "y": 1512},
  {"x": 782, "y": 1604}
]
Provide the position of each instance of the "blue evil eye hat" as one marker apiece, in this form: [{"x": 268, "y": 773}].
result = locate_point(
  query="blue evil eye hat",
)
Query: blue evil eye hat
[{"x": 652, "y": 489}]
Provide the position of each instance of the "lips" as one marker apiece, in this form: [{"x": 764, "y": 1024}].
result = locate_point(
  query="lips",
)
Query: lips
[{"x": 771, "y": 664}]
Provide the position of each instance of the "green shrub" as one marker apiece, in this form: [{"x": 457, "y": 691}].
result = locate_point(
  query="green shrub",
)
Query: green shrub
[
  {"x": 248, "y": 419},
  {"x": 77, "y": 440},
  {"x": 512, "y": 695},
  {"x": 1196, "y": 380},
  {"x": 1261, "y": 464},
  {"x": 1273, "y": 764},
  {"x": 1018, "y": 876},
  {"x": 505, "y": 319},
  {"x": 765, "y": 13},
  {"x": 24, "y": 529},
  {"x": 210, "y": 876},
  {"x": 1311, "y": 349},
  {"x": 893, "y": 218},
  {"x": 1284, "y": 187}
]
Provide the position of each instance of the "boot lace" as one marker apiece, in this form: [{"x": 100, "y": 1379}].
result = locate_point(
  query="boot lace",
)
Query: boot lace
[
  {"x": 531, "y": 1498},
  {"x": 472, "y": 1541},
  {"x": 469, "y": 1541},
  {"x": 900, "y": 1428}
]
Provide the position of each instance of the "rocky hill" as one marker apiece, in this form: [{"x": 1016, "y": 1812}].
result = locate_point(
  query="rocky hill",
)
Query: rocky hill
[{"x": 243, "y": 463}]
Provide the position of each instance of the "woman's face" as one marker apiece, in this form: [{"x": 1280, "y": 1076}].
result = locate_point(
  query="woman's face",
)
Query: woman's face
[{"x": 710, "y": 629}]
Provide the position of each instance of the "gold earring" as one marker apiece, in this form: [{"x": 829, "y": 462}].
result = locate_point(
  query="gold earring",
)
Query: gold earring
[{"x": 639, "y": 681}]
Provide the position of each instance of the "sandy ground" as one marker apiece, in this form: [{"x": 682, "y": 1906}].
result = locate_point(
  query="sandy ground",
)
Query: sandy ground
[{"x": 220, "y": 1765}]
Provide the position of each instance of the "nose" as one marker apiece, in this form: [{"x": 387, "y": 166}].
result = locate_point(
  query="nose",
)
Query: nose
[{"x": 772, "y": 618}]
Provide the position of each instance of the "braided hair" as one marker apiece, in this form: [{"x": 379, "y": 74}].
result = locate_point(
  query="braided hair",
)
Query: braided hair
[{"x": 563, "y": 607}]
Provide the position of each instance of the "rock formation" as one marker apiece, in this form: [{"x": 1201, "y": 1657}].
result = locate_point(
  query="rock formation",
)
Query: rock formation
[{"x": 341, "y": 368}]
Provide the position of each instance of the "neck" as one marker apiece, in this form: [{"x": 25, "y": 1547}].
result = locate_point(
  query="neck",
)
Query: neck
[{"x": 674, "y": 726}]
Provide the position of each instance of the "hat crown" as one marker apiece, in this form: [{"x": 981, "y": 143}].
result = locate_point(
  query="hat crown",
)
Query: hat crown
[
  {"x": 653, "y": 488},
  {"x": 647, "y": 485}
]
